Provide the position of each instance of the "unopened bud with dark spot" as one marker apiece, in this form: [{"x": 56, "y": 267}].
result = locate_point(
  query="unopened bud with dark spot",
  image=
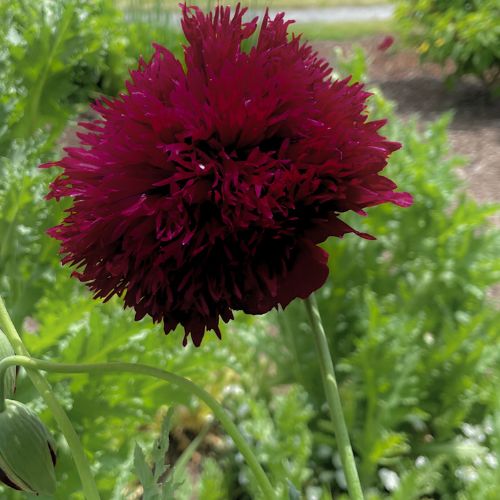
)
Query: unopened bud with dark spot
[{"x": 27, "y": 451}]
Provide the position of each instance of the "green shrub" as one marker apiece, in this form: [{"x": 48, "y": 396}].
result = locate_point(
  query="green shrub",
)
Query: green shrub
[
  {"x": 27, "y": 255},
  {"x": 415, "y": 340},
  {"x": 467, "y": 32},
  {"x": 142, "y": 35},
  {"x": 277, "y": 428},
  {"x": 54, "y": 57},
  {"x": 58, "y": 56}
]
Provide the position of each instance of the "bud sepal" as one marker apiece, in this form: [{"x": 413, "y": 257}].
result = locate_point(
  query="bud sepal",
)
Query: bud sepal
[{"x": 27, "y": 451}]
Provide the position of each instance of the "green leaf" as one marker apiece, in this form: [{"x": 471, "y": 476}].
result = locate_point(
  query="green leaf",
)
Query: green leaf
[{"x": 145, "y": 474}]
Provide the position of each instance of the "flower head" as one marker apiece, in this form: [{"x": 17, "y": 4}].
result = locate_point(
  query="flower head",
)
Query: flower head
[{"x": 207, "y": 189}]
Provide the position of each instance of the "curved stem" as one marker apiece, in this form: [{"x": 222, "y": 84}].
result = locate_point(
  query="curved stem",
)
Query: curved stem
[
  {"x": 43, "y": 387},
  {"x": 183, "y": 383},
  {"x": 333, "y": 399}
]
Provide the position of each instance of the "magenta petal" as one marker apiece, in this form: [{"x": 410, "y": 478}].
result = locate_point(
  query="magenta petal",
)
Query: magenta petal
[
  {"x": 308, "y": 274},
  {"x": 333, "y": 226},
  {"x": 402, "y": 199}
]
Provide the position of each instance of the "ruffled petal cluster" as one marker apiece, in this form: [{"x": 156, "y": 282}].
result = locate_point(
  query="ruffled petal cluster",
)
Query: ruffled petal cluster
[{"x": 207, "y": 186}]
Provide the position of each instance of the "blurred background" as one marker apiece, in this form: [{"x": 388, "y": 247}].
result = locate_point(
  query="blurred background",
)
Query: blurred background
[{"x": 412, "y": 318}]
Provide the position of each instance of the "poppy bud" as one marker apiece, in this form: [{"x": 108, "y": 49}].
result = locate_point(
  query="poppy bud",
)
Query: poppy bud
[
  {"x": 27, "y": 455},
  {"x": 10, "y": 374},
  {"x": 386, "y": 43}
]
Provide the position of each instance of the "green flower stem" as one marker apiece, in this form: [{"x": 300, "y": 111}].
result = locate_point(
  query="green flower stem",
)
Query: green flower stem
[
  {"x": 43, "y": 387},
  {"x": 183, "y": 383},
  {"x": 333, "y": 399}
]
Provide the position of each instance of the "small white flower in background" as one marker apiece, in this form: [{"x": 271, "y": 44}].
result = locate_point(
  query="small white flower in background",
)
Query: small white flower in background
[
  {"x": 232, "y": 389},
  {"x": 324, "y": 451},
  {"x": 242, "y": 478},
  {"x": 473, "y": 432},
  {"x": 340, "y": 478},
  {"x": 243, "y": 410},
  {"x": 429, "y": 338},
  {"x": 389, "y": 479},
  {"x": 313, "y": 493},
  {"x": 467, "y": 474},
  {"x": 488, "y": 426},
  {"x": 491, "y": 460},
  {"x": 336, "y": 461},
  {"x": 421, "y": 461},
  {"x": 13, "y": 37}
]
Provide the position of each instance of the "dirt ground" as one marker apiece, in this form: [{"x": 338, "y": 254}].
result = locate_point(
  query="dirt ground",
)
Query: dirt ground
[{"x": 420, "y": 88}]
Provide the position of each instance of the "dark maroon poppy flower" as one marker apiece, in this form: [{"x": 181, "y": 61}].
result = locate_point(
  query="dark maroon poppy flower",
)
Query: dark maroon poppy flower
[
  {"x": 386, "y": 43},
  {"x": 206, "y": 189}
]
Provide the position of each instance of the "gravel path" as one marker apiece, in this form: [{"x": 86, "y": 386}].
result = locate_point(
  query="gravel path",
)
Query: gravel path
[
  {"x": 304, "y": 15},
  {"x": 340, "y": 14}
]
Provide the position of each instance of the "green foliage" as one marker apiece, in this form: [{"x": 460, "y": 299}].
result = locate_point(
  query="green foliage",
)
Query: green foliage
[
  {"x": 414, "y": 337},
  {"x": 157, "y": 481},
  {"x": 482, "y": 480},
  {"x": 142, "y": 35},
  {"x": 55, "y": 55},
  {"x": 279, "y": 434},
  {"x": 212, "y": 483},
  {"x": 467, "y": 32},
  {"x": 27, "y": 255},
  {"x": 410, "y": 323}
]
